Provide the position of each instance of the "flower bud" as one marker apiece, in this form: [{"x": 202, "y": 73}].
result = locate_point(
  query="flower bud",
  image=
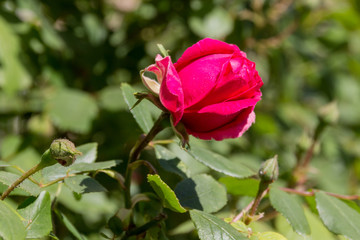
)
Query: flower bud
[
  {"x": 64, "y": 151},
  {"x": 269, "y": 170}
]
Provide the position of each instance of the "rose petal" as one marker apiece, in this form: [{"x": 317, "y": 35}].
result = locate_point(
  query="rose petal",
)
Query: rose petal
[
  {"x": 199, "y": 77},
  {"x": 234, "y": 129},
  {"x": 171, "y": 92},
  {"x": 203, "y": 48},
  {"x": 215, "y": 116},
  {"x": 238, "y": 80}
]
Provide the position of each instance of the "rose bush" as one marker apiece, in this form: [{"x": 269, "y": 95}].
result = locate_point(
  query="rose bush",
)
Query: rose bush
[{"x": 212, "y": 89}]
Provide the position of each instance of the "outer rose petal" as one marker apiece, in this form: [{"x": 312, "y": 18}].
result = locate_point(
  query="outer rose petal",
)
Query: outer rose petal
[
  {"x": 233, "y": 129},
  {"x": 203, "y": 48},
  {"x": 171, "y": 92},
  {"x": 217, "y": 115}
]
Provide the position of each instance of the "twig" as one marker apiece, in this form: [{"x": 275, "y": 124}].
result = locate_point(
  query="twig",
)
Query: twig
[{"x": 313, "y": 191}]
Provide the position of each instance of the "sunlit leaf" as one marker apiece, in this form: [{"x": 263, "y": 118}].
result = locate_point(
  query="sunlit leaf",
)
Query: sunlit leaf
[
  {"x": 37, "y": 216},
  {"x": 140, "y": 113},
  {"x": 212, "y": 228},
  {"x": 291, "y": 209},
  {"x": 220, "y": 163},
  {"x": 28, "y": 186},
  {"x": 165, "y": 193},
  {"x": 11, "y": 227},
  {"x": 243, "y": 187},
  {"x": 337, "y": 216}
]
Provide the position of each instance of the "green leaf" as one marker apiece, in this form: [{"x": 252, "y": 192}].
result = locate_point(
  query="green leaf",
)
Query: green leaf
[
  {"x": 221, "y": 164},
  {"x": 83, "y": 184},
  {"x": 14, "y": 75},
  {"x": 291, "y": 209},
  {"x": 167, "y": 195},
  {"x": 37, "y": 216},
  {"x": 141, "y": 114},
  {"x": 242, "y": 187},
  {"x": 28, "y": 186},
  {"x": 9, "y": 145},
  {"x": 111, "y": 99},
  {"x": 69, "y": 226},
  {"x": 11, "y": 227},
  {"x": 337, "y": 216},
  {"x": 89, "y": 153},
  {"x": 212, "y": 228},
  {"x": 88, "y": 167},
  {"x": 72, "y": 110},
  {"x": 201, "y": 192},
  {"x": 170, "y": 162}
]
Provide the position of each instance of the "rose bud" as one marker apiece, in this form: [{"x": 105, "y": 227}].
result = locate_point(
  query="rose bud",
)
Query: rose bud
[
  {"x": 64, "y": 151},
  {"x": 212, "y": 89}
]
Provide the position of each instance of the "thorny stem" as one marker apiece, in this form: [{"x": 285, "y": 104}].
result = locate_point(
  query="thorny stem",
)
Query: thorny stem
[
  {"x": 313, "y": 191},
  {"x": 263, "y": 189},
  {"x": 135, "y": 153},
  {"x": 248, "y": 207},
  {"x": 30, "y": 172}
]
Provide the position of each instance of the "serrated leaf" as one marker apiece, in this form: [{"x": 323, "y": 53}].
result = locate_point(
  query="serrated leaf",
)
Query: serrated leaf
[
  {"x": 170, "y": 162},
  {"x": 140, "y": 113},
  {"x": 83, "y": 184},
  {"x": 337, "y": 216},
  {"x": 28, "y": 186},
  {"x": 201, "y": 192},
  {"x": 212, "y": 228},
  {"x": 242, "y": 187},
  {"x": 167, "y": 195},
  {"x": 291, "y": 209},
  {"x": 88, "y": 167},
  {"x": 37, "y": 216},
  {"x": 89, "y": 154},
  {"x": 221, "y": 164},
  {"x": 11, "y": 227},
  {"x": 72, "y": 110}
]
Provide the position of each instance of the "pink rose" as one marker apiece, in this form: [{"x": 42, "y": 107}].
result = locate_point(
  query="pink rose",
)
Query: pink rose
[{"x": 212, "y": 89}]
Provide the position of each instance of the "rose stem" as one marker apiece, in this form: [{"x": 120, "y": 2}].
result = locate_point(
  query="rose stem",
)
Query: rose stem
[
  {"x": 135, "y": 153},
  {"x": 46, "y": 160}
]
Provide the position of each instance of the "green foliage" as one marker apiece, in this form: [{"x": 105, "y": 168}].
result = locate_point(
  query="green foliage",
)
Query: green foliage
[
  {"x": 37, "y": 216},
  {"x": 165, "y": 193},
  {"x": 70, "y": 69},
  {"x": 291, "y": 209},
  {"x": 337, "y": 216},
  {"x": 11, "y": 227},
  {"x": 221, "y": 164},
  {"x": 201, "y": 192},
  {"x": 211, "y": 228},
  {"x": 140, "y": 113}
]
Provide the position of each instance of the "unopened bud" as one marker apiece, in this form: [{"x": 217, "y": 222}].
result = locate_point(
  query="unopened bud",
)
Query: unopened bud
[
  {"x": 269, "y": 170},
  {"x": 64, "y": 151}
]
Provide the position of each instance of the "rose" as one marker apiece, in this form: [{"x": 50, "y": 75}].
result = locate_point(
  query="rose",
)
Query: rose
[{"x": 212, "y": 89}]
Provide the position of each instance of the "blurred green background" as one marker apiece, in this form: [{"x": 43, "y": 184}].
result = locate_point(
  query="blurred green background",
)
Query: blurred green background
[{"x": 62, "y": 64}]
